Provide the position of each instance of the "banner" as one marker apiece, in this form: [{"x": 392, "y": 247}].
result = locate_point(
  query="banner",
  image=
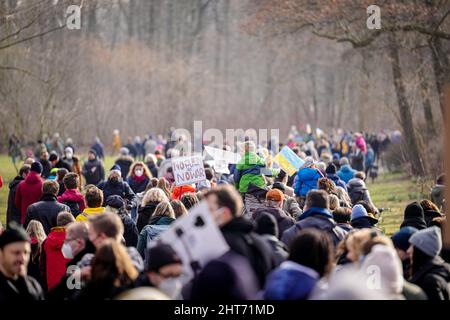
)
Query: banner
[
  {"x": 288, "y": 161},
  {"x": 188, "y": 170},
  {"x": 219, "y": 154}
]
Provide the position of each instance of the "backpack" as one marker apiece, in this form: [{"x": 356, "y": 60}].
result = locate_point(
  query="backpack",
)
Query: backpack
[
  {"x": 74, "y": 207},
  {"x": 263, "y": 264}
]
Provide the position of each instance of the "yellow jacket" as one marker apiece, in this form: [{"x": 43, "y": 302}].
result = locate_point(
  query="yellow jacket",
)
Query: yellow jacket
[{"x": 88, "y": 212}]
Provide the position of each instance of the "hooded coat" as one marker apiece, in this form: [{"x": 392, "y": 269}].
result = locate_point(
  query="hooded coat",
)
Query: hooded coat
[
  {"x": 93, "y": 171},
  {"x": 248, "y": 171},
  {"x": 346, "y": 173},
  {"x": 358, "y": 191},
  {"x": 306, "y": 180},
  {"x": 13, "y": 212},
  {"x": 28, "y": 192},
  {"x": 73, "y": 196},
  {"x": 414, "y": 217}
]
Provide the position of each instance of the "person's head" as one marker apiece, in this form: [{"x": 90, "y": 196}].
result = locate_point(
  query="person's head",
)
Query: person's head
[
  {"x": 282, "y": 177},
  {"x": 425, "y": 244},
  {"x": 400, "y": 239},
  {"x": 209, "y": 173},
  {"x": 428, "y": 205},
  {"x": 164, "y": 267},
  {"x": 35, "y": 230},
  {"x": 178, "y": 208},
  {"x": 115, "y": 174},
  {"x": 92, "y": 155},
  {"x": 154, "y": 195},
  {"x": 344, "y": 161},
  {"x": 370, "y": 208},
  {"x": 24, "y": 170},
  {"x": 139, "y": 169},
  {"x": 77, "y": 236},
  {"x": 150, "y": 159},
  {"x": 124, "y": 152},
  {"x": 360, "y": 175},
  {"x": 71, "y": 181},
  {"x": 441, "y": 180},
  {"x": 114, "y": 203},
  {"x": 44, "y": 155},
  {"x": 14, "y": 252},
  {"x": 327, "y": 185},
  {"x": 50, "y": 187},
  {"x": 312, "y": 248},
  {"x": 225, "y": 204},
  {"x": 267, "y": 224},
  {"x": 64, "y": 218},
  {"x": 164, "y": 209},
  {"x": 331, "y": 169},
  {"x": 275, "y": 198},
  {"x": 355, "y": 243},
  {"x": 249, "y": 146},
  {"x": 61, "y": 173},
  {"x": 189, "y": 200},
  {"x": 68, "y": 152},
  {"x": 318, "y": 199},
  {"x": 105, "y": 226},
  {"x": 164, "y": 185},
  {"x": 342, "y": 215},
  {"x": 112, "y": 263},
  {"x": 54, "y": 158},
  {"x": 93, "y": 197},
  {"x": 334, "y": 202},
  {"x": 36, "y": 167}
]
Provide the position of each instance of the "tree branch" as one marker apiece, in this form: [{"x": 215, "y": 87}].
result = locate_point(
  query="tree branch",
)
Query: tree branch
[{"x": 32, "y": 37}]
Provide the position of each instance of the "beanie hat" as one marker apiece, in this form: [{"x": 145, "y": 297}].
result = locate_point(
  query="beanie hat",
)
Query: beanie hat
[
  {"x": 335, "y": 156},
  {"x": 14, "y": 233},
  {"x": 124, "y": 151},
  {"x": 309, "y": 162},
  {"x": 428, "y": 240},
  {"x": 266, "y": 224},
  {"x": 93, "y": 152},
  {"x": 274, "y": 195},
  {"x": 331, "y": 169},
  {"x": 279, "y": 186},
  {"x": 401, "y": 237},
  {"x": 115, "y": 201},
  {"x": 414, "y": 210},
  {"x": 36, "y": 167},
  {"x": 116, "y": 168},
  {"x": 358, "y": 211},
  {"x": 161, "y": 255}
]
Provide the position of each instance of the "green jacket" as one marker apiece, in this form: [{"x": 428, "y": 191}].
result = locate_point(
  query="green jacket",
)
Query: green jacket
[{"x": 248, "y": 170}]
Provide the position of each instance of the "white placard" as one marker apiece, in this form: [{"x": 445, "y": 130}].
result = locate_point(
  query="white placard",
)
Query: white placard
[{"x": 188, "y": 170}]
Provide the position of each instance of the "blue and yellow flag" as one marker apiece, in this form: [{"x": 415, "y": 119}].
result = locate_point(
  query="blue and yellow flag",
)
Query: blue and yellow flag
[{"x": 288, "y": 161}]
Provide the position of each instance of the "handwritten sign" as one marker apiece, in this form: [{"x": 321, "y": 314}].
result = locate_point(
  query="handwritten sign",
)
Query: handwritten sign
[{"x": 188, "y": 170}]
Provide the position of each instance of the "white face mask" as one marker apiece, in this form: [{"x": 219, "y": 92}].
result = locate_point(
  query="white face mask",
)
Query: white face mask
[
  {"x": 139, "y": 172},
  {"x": 171, "y": 287},
  {"x": 67, "y": 251},
  {"x": 69, "y": 155}
]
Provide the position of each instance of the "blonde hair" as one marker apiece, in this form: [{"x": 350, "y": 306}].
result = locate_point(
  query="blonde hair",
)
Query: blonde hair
[
  {"x": 163, "y": 184},
  {"x": 36, "y": 230},
  {"x": 164, "y": 209},
  {"x": 147, "y": 172},
  {"x": 150, "y": 157},
  {"x": 154, "y": 195},
  {"x": 334, "y": 202}
]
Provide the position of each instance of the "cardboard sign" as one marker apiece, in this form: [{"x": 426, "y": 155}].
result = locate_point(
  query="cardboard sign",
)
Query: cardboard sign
[
  {"x": 188, "y": 170},
  {"x": 196, "y": 238},
  {"x": 219, "y": 154},
  {"x": 288, "y": 161}
]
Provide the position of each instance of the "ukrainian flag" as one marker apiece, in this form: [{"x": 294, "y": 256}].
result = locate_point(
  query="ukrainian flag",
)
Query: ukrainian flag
[{"x": 288, "y": 161}]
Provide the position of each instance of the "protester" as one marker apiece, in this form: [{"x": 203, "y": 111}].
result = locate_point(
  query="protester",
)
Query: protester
[
  {"x": 361, "y": 219},
  {"x": 139, "y": 177},
  {"x": 53, "y": 263},
  {"x": 179, "y": 191},
  {"x": 58, "y": 163},
  {"x": 98, "y": 148},
  {"x": 429, "y": 271},
  {"x": 273, "y": 206},
  {"x": 160, "y": 221},
  {"x": 93, "y": 170},
  {"x": 400, "y": 239},
  {"x": 13, "y": 211},
  {"x": 310, "y": 258},
  {"x": 178, "y": 208},
  {"x": 189, "y": 200},
  {"x": 357, "y": 189},
  {"x": 116, "y": 142},
  {"x": 438, "y": 191},
  {"x": 150, "y": 161},
  {"x": 47, "y": 209},
  {"x": 115, "y": 185},
  {"x": 164, "y": 185},
  {"x": 151, "y": 199},
  {"x": 94, "y": 201},
  {"x": 342, "y": 216},
  {"x": 60, "y": 174},
  {"x": 306, "y": 179},
  {"x": 290, "y": 205},
  {"x": 124, "y": 162},
  {"x": 37, "y": 235},
  {"x": 414, "y": 217},
  {"x": 331, "y": 174},
  {"x": 29, "y": 190},
  {"x": 346, "y": 173},
  {"x": 430, "y": 211},
  {"x": 115, "y": 204},
  {"x": 225, "y": 205},
  {"x": 46, "y": 165},
  {"x": 267, "y": 227},
  {"x": 68, "y": 158},
  {"x": 72, "y": 197},
  {"x": 316, "y": 215},
  {"x": 15, "y": 284}
]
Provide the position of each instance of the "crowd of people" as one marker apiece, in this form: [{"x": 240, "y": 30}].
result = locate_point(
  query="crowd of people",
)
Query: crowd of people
[{"x": 79, "y": 231}]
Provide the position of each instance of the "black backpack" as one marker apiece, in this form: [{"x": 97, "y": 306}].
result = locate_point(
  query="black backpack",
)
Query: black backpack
[{"x": 74, "y": 207}]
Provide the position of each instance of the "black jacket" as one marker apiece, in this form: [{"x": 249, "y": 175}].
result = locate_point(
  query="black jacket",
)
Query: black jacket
[
  {"x": 430, "y": 215},
  {"x": 130, "y": 232},
  {"x": 45, "y": 211},
  {"x": 62, "y": 164},
  {"x": 120, "y": 189},
  {"x": 12, "y": 212},
  {"x": 46, "y": 168},
  {"x": 93, "y": 177},
  {"x": 145, "y": 214},
  {"x": 241, "y": 239},
  {"x": 434, "y": 279},
  {"x": 23, "y": 289},
  {"x": 124, "y": 164},
  {"x": 284, "y": 221}
]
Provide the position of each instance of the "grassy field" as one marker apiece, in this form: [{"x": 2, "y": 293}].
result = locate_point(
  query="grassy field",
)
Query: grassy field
[{"x": 391, "y": 191}]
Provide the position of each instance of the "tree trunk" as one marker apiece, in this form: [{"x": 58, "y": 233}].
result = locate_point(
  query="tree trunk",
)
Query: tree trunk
[
  {"x": 425, "y": 94},
  {"x": 405, "y": 110},
  {"x": 441, "y": 67}
]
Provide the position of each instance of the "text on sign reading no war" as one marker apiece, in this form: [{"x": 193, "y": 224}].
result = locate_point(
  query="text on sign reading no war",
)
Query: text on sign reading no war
[{"x": 188, "y": 170}]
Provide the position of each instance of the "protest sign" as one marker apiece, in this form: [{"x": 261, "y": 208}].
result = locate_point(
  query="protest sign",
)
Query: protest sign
[
  {"x": 187, "y": 237},
  {"x": 219, "y": 154},
  {"x": 288, "y": 161},
  {"x": 188, "y": 170}
]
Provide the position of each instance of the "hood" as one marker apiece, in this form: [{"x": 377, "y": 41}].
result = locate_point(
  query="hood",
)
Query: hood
[
  {"x": 308, "y": 173},
  {"x": 316, "y": 211},
  {"x": 239, "y": 224},
  {"x": 161, "y": 221},
  {"x": 346, "y": 168},
  {"x": 149, "y": 207},
  {"x": 56, "y": 237},
  {"x": 15, "y": 182},
  {"x": 250, "y": 159},
  {"x": 356, "y": 183},
  {"x": 33, "y": 178},
  {"x": 71, "y": 195}
]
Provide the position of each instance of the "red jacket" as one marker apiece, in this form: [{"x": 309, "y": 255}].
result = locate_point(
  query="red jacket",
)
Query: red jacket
[
  {"x": 28, "y": 192},
  {"x": 178, "y": 191},
  {"x": 55, "y": 263},
  {"x": 1, "y": 182},
  {"x": 74, "y": 196}
]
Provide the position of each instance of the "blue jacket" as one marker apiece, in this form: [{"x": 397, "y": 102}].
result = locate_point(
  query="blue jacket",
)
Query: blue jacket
[
  {"x": 346, "y": 173},
  {"x": 370, "y": 158},
  {"x": 337, "y": 181},
  {"x": 306, "y": 180},
  {"x": 290, "y": 281}
]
